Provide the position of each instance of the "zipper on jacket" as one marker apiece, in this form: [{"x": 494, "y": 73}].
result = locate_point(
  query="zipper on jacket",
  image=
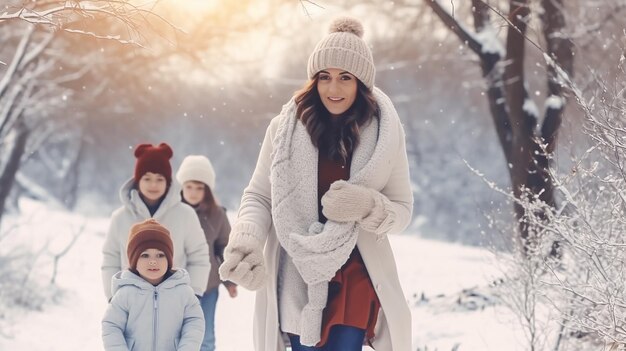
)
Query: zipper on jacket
[{"x": 154, "y": 320}]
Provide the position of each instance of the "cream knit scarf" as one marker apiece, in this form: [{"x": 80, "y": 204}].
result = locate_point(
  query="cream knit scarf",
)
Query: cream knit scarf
[{"x": 317, "y": 250}]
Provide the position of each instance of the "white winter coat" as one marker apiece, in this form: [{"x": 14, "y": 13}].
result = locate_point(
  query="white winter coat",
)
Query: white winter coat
[
  {"x": 139, "y": 311},
  {"x": 191, "y": 251},
  {"x": 393, "y": 329}
]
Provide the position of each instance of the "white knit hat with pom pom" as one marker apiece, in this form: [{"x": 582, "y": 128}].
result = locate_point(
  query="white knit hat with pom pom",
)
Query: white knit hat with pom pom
[
  {"x": 196, "y": 168},
  {"x": 345, "y": 49}
]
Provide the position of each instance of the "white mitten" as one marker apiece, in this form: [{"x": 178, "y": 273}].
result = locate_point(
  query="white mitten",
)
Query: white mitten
[
  {"x": 244, "y": 263},
  {"x": 345, "y": 202}
]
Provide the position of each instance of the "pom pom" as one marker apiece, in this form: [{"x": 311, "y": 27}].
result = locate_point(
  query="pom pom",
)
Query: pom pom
[
  {"x": 348, "y": 25},
  {"x": 140, "y": 149},
  {"x": 166, "y": 150}
]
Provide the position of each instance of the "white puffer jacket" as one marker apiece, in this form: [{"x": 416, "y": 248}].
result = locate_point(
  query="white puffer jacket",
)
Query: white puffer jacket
[{"x": 191, "y": 251}]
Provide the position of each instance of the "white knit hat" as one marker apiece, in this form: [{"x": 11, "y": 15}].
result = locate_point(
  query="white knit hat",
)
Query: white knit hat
[
  {"x": 197, "y": 168},
  {"x": 345, "y": 49}
]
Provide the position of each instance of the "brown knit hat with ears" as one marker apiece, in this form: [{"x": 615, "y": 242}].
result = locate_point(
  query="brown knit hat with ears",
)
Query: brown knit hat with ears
[
  {"x": 345, "y": 49},
  {"x": 153, "y": 159},
  {"x": 149, "y": 235}
]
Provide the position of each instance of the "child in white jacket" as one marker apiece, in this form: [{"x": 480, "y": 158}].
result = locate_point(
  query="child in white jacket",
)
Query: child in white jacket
[{"x": 153, "y": 307}]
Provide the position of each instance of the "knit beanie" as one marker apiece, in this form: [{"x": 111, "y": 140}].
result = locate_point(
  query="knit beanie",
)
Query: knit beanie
[
  {"x": 345, "y": 49},
  {"x": 149, "y": 235},
  {"x": 154, "y": 159},
  {"x": 197, "y": 168}
]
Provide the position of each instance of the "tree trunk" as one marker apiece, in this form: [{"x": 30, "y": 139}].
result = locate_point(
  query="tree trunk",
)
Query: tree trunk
[
  {"x": 72, "y": 179},
  {"x": 13, "y": 164},
  {"x": 521, "y": 159}
]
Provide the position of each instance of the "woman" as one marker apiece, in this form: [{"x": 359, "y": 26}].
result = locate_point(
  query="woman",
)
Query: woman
[{"x": 331, "y": 182}]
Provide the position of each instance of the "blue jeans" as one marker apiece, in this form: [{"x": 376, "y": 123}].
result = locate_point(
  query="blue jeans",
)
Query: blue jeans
[
  {"x": 341, "y": 338},
  {"x": 208, "y": 303}
]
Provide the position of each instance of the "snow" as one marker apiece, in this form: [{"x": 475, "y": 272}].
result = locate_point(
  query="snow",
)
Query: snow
[
  {"x": 530, "y": 107},
  {"x": 555, "y": 102},
  {"x": 436, "y": 270},
  {"x": 488, "y": 39}
]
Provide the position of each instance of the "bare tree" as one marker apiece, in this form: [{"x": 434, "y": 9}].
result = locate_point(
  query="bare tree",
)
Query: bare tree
[
  {"x": 522, "y": 136},
  {"x": 42, "y": 66},
  {"x": 585, "y": 285}
]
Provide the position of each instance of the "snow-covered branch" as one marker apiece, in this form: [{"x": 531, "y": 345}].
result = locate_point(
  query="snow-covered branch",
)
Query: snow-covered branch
[
  {"x": 458, "y": 28},
  {"x": 61, "y": 14}
]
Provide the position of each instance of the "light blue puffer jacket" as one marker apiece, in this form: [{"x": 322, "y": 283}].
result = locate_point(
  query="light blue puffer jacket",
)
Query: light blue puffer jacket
[{"x": 143, "y": 317}]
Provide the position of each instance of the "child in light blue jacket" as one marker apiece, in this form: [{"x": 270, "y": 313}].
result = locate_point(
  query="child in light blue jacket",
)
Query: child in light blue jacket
[{"x": 153, "y": 307}]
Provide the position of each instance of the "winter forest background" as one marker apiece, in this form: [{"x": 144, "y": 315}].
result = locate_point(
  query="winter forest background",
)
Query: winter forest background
[{"x": 516, "y": 131}]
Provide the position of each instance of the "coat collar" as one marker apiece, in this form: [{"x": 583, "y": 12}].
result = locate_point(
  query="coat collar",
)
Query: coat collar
[{"x": 126, "y": 277}]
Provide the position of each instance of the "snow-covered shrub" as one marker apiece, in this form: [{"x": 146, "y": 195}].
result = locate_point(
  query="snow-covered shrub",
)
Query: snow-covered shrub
[
  {"x": 20, "y": 288},
  {"x": 27, "y": 271},
  {"x": 578, "y": 298},
  {"x": 17, "y": 289}
]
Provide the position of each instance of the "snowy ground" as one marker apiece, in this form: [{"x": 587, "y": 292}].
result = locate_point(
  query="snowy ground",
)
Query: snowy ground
[{"x": 443, "y": 319}]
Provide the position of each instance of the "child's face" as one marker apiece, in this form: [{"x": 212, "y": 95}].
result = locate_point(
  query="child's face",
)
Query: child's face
[
  {"x": 152, "y": 266},
  {"x": 152, "y": 186},
  {"x": 193, "y": 192}
]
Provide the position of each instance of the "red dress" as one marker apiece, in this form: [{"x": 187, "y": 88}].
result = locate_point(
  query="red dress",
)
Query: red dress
[{"x": 352, "y": 299}]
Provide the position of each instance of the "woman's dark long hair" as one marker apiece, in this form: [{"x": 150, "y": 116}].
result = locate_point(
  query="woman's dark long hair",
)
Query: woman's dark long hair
[
  {"x": 208, "y": 203},
  {"x": 336, "y": 141}
]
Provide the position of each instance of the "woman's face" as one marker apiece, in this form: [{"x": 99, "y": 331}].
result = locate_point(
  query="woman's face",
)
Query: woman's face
[
  {"x": 193, "y": 192},
  {"x": 152, "y": 186},
  {"x": 337, "y": 89}
]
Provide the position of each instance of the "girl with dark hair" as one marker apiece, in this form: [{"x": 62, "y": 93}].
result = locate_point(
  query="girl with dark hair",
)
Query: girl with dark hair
[
  {"x": 331, "y": 182},
  {"x": 197, "y": 177}
]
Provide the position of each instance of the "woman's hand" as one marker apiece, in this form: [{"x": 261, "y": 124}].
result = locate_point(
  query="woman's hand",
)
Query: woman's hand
[
  {"x": 345, "y": 202},
  {"x": 244, "y": 263}
]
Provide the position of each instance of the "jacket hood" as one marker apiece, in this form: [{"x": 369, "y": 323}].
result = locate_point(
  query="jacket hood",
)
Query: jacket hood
[
  {"x": 132, "y": 201},
  {"x": 128, "y": 278}
]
